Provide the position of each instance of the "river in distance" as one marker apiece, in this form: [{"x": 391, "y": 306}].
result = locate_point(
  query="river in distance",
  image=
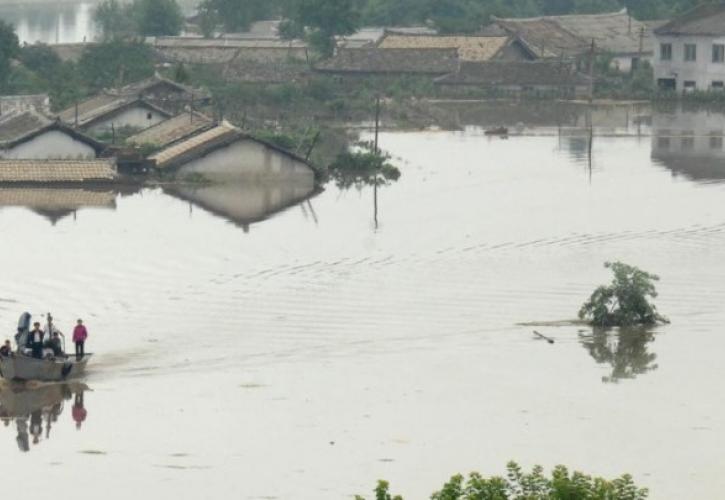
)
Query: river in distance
[{"x": 281, "y": 343}]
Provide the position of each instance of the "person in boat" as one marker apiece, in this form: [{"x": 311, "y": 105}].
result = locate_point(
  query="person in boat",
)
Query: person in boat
[
  {"x": 80, "y": 334},
  {"x": 55, "y": 344},
  {"x": 35, "y": 339},
  {"x": 6, "y": 350}
]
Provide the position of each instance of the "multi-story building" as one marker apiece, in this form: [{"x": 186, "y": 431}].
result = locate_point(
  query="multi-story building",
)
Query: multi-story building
[{"x": 690, "y": 52}]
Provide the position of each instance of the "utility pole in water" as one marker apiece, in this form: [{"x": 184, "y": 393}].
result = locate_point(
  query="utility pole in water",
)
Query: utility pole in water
[{"x": 377, "y": 153}]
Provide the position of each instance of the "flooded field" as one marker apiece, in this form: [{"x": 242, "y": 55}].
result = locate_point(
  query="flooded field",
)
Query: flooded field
[
  {"x": 274, "y": 342},
  {"x": 50, "y": 22}
]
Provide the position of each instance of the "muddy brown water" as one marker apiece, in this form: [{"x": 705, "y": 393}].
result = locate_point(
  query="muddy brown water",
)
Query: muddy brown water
[{"x": 306, "y": 353}]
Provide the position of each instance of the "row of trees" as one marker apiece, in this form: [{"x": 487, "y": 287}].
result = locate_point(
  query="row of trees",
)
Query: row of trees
[{"x": 322, "y": 20}]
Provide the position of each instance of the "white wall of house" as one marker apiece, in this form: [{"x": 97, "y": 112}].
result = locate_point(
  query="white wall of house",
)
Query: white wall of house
[
  {"x": 246, "y": 159},
  {"x": 51, "y": 144},
  {"x": 703, "y": 71},
  {"x": 137, "y": 117}
]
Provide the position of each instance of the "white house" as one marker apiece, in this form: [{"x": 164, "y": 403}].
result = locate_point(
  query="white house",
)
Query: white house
[
  {"x": 52, "y": 141},
  {"x": 691, "y": 51},
  {"x": 226, "y": 153},
  {"x": 104, "y": 113}
]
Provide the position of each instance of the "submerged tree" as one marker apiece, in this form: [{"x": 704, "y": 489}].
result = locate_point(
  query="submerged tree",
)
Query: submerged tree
[
  {"x": 624, "y": 302},
  {"x": 363, "y": 167}
]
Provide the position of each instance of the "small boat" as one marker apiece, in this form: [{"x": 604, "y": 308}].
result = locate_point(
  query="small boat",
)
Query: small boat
[
  {"x": 497, "y": 131},
  {"x": 21, "y": 365}
]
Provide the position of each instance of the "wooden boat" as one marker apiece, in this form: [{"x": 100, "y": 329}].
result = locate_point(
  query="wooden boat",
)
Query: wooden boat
[{"x": 22, "y": 367}]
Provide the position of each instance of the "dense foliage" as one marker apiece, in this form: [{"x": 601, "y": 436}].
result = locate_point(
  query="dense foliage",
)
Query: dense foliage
[
  {"x": 116, "y": 19},
  {"x": 9, "y": 48},
  {"x": 520, "y": 485},
  {"x": 363, "y": 166},
  {"x": 326, "y": 18},
  {"x": 625, "y": 301}
]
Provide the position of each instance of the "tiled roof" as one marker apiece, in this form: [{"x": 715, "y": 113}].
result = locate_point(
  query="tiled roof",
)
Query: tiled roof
[
  {"x": 705, "y": 20},
  {"x": 249, "y": 71},
  {"x": 54, "y": 126},
  {"x": 391, "y": 61},
  {"x": 247, "y": 43},
  {"x": 56, "y": 171},
  {"x": 571, "y": 35},
  {"x": 13, "y": 126},
  {"x": 195, "y": 145},
  {"x": 94, "y": 108},
  {"x": 530, "y": 73},
  {"x": 470, "y": 48},
  {"x": 172, "y": 130}
]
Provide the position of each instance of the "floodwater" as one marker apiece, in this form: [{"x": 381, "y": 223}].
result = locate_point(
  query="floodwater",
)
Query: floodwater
[
  {"x": 51, "y": 22},
  {"x": 306, "y": 351}
]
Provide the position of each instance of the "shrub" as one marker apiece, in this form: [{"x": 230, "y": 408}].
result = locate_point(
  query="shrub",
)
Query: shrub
[
  {"x": 519, "y": 485},
  {"x": 625, "y": 301}
]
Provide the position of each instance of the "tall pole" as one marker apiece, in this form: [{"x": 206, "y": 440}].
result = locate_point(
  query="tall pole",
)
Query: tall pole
[
  {"x": 591, "y": 72},
  {"x": 377, "y": 122},
  {"x": 377, "y": 152}
]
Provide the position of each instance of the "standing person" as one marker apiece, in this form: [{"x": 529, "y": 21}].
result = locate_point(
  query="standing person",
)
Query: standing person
[
  {"x": 80, "y": 334},
  {"x": 36, "y": 340}
]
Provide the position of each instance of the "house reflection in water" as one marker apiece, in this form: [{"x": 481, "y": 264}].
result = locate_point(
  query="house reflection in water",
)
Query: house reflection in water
[
  {"x": 245, "y": 203},
  {"x": 56, "y": 203},
  {"x": 689, "y": 142},
  {"x": 36, "y": 412}
]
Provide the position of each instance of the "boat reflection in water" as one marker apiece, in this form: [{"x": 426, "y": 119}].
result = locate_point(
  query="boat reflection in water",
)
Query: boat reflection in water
[
  {"x": 245, "y": 203},
  {"x": 626, "y": 350},
  {"x": 689, "y": 142},
  {"x": 35, "y": 411},
  {"x": 57, "y": 203}
]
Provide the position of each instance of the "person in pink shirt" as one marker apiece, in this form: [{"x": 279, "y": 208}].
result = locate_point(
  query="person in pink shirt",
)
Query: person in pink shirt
[{"x": 80, "y": 334}]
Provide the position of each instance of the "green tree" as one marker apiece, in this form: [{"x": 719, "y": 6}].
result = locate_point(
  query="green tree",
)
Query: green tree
[
  {"x": 41, "y": 59},
  {"x": 115, "y": 63},
  {"x": 238, "y": 15},
  {"x": 9, "y": 49},
  {"x": 114, "y": 19},
  {"x": 625, "y": 301},
  {"x": 326, "y": 20},
  {"x": 157, "y": 17}
]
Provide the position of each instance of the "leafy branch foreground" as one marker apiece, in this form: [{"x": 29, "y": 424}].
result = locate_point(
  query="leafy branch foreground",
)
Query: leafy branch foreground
[
  {"x": 519, "y": 485},
  {"x": 625, "y": 301}
]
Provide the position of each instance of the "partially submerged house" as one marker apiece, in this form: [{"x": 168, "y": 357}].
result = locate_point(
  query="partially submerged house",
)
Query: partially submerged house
[
  {"x": 225, "y": 153},
  {"x": 54, "y": 140},
  {"x": 172, "y": 130},
  {"x": 471, "y": 48},
  {"x": 359, "y": 64},
  {"x": 570, "y": 37},
  {"x": 516, "y": 78},
  {"x": 107, "y": 113},
  {"x": 137, "y": 106},
  {"x": 691, "y": 50},
  {"x": 17, "y": 172}
]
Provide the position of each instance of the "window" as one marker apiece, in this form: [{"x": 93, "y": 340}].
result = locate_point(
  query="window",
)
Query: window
[
  {"x": 149, "y": 116},
  {"x": 716, "y": 142},
  {"x": 690, "y": 52},
  {"x": 666, "y": 51},
  {"x": 718, "y": 53},
  {"x": 717, "y": 85},
  {"x": 687, "y": 143},
  {"x": 690, "y": 86},
  {"x": 667, "y": 83}
]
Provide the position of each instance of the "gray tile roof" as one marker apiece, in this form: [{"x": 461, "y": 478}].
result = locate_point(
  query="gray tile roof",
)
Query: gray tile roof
[
  {"x": 172, "y": 130},
  {"x": 571, "y": 35},
  {"x": 15, "y": 125},
  {"x": 56, "y": 171},
  {"x": 391, "y": 61},
  {"x": 705, "y": 20}
]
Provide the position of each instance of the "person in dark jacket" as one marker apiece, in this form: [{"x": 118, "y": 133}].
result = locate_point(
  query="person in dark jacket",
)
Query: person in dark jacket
[
  {"x": 6, "y": 350},
  {"x": 35, "y": 339}
]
